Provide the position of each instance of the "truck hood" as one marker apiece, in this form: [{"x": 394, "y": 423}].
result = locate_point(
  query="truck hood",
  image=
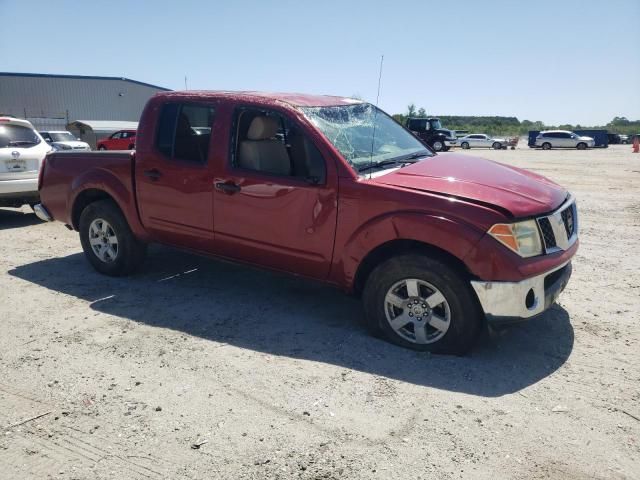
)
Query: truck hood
[{"x": 520, "y": 192}]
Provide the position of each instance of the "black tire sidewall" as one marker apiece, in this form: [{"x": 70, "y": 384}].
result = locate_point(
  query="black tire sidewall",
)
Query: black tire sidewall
[
  {"x": 497, "y": 146},
  {"x": 581, "y": 146},
  {"x": 466, "y": 318},
  {"x": 130, "y": 250},
  {"x": 465, "y": 145},
  {"x": 546, "y": 146},
  {"x": 441, "y": 146}
]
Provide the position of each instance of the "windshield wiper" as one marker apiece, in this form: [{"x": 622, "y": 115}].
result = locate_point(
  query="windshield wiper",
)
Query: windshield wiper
[
  {"x": 15, "y": 143},
  {"x": 380, "y": 164},
  {"x": 414, "y": 156}
]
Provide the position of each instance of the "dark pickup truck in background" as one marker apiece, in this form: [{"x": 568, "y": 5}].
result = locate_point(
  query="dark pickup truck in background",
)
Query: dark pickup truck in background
[
  {"x": 331, "y": 189},
  {"x": 430, "y": 131}
]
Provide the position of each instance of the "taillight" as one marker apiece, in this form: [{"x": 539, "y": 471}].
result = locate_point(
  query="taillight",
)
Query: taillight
[{"x": 41, "y": 172}]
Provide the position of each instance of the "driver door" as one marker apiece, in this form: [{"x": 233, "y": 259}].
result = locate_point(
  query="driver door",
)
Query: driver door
[{"x": 275, "y": 198}]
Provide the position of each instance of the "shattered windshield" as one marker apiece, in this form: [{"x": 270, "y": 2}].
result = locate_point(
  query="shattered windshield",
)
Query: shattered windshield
[{"x": 364, "y": 134}]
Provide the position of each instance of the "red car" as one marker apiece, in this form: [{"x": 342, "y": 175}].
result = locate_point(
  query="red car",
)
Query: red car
[
  {"x": 332, "y": 189},
  {"x": 121, "y": 140}
]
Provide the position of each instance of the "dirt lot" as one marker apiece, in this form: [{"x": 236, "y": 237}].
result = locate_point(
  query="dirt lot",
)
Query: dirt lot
[{"x": 281, "y": 380}]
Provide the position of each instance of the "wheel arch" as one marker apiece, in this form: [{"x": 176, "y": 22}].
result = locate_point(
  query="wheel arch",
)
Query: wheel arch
[
  {"x": 101, "y": 184},
  {"x": 85, "y": 198},
  {"x": 397, "y": 247}
]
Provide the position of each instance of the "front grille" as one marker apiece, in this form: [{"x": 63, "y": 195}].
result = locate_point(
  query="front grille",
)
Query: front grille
[
  {"x": 547, "y": 233},
  {"x": 568, "y": 220}
]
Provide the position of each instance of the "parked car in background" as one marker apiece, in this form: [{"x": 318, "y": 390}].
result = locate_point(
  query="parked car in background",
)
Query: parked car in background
[
  {"x": 480, "y": 140},
  {"x": 563, "y": 139},
  {"x": 121, "y": 140},
  {"x": 330, "y": 189},
  {"x": 22, "y": 151},
  {"x": 624, "y": 139},
  {"x": 63, "y": 140}
]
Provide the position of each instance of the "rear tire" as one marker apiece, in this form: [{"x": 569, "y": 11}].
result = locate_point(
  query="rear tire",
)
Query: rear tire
[
  {"x": 107, "y": 240},
  {"x": 102, "y": 147},
  {"x": 546, "y": 146},
  {"x": 465, "y": 145},
  {"x": 434, "y": 299},
  {"x": 581, "y": 146}
]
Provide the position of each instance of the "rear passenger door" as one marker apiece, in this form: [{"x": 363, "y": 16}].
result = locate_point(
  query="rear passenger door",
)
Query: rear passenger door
[{"x": 174, "y": 179}]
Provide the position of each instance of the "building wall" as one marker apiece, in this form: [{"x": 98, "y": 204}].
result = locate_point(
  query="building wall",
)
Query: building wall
[{"x": 49, "y": 101}]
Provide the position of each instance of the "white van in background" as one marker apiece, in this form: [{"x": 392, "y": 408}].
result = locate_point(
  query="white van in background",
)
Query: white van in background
[{"x": 22, "y": 151}]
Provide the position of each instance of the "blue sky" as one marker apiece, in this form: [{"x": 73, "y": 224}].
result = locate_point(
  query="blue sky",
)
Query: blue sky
[{"x": 555, "y": 61}]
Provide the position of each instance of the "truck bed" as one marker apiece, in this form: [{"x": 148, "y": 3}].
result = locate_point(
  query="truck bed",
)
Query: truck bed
[{"x": 66, "y": 173}]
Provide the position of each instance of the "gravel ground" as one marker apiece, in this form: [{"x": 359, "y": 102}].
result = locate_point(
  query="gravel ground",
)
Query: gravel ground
[{"x": 278, "y": 376}]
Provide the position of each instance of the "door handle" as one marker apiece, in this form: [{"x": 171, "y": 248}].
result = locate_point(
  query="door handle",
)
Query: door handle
[
  {"x": 228, "y": 187},
  {"x": 153, "y": 174}
]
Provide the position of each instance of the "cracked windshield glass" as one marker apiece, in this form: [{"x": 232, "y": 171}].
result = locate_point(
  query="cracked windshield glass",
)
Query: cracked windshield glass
[{"x": 366, "y": 136}]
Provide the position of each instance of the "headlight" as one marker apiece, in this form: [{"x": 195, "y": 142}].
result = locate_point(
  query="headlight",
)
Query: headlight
[{"x": 521, "y": 237}]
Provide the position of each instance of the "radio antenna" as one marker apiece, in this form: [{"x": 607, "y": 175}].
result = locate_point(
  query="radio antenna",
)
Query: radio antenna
[{"x": 375, "y": 115}]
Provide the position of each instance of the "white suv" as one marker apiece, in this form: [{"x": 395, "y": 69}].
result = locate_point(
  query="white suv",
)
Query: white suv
[
  {"x": 563, "y": 139},
  {"x": 22, "y": 150}
]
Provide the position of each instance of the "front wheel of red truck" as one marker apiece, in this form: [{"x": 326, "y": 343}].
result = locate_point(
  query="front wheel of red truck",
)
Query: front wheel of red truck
[
  {"x": 107, "y": 240},
  {"x": 422, "y": 303}
]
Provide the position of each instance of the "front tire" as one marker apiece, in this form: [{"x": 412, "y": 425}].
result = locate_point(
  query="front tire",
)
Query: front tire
[
  {"x": 438, "y": 145},
  {"x": 497, "y": 146},
  {"x": 102, "y": 147},
  {"x": 581, "y": 146},
  {"x": 422, "y": 303},
  {"x": 465, "y": 145},
  {"x": 107, "y": 240}
]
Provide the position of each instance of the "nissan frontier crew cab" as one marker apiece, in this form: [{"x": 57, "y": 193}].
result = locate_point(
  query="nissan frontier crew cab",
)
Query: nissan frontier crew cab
[{"x": 331, "y": 189}]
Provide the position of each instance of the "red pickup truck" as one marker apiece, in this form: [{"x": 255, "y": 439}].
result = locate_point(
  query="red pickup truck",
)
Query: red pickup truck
[{"x": 332, "y": 189}]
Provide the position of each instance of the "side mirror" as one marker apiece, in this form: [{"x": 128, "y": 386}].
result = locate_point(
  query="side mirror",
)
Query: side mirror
[{"x": 48, "y": 140}]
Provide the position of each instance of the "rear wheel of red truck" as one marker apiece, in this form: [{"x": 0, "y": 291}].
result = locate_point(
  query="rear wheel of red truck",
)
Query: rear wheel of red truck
[
  {"x": 422, "y": 303},
  {"x": 107, "y": 240}
]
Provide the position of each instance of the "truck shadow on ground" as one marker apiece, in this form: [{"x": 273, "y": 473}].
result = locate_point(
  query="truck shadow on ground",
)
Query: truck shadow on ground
[
  {"x": 17, "y": 219},
  {"x": 288, "y": 316}
]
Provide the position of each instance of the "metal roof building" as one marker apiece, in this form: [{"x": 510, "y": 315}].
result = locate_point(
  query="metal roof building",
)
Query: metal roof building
[{"x": 53, "y": 101}]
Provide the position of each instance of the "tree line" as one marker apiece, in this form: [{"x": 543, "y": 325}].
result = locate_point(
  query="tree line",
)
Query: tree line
[{"x": 497, "y": 125}]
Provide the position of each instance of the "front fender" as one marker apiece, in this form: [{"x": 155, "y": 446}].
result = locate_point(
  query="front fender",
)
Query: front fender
[
  {"x": 451, "y": 235},
  {"x": 106, "y": 181}
]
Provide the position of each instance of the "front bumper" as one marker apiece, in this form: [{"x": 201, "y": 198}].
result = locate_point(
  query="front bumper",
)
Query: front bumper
[{"x": 506, "y": 302}]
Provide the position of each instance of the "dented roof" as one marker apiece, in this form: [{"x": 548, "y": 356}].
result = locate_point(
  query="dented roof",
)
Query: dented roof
[{"x": 265, "y": 98}]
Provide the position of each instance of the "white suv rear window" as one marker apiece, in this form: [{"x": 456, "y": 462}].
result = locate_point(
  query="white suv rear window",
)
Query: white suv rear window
[{"x": 17, "y": 136}]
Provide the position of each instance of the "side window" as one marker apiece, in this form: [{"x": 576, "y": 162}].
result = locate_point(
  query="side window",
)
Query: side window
[
  {"x": 116, "y": 135},
  {"x": 417, "y": 124},
  {"x": 45, "y": 135},
  {"x": 565, "y": 135},
  {"x": 184, "y": 131},
  {"x": 270, "y": 143}
]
